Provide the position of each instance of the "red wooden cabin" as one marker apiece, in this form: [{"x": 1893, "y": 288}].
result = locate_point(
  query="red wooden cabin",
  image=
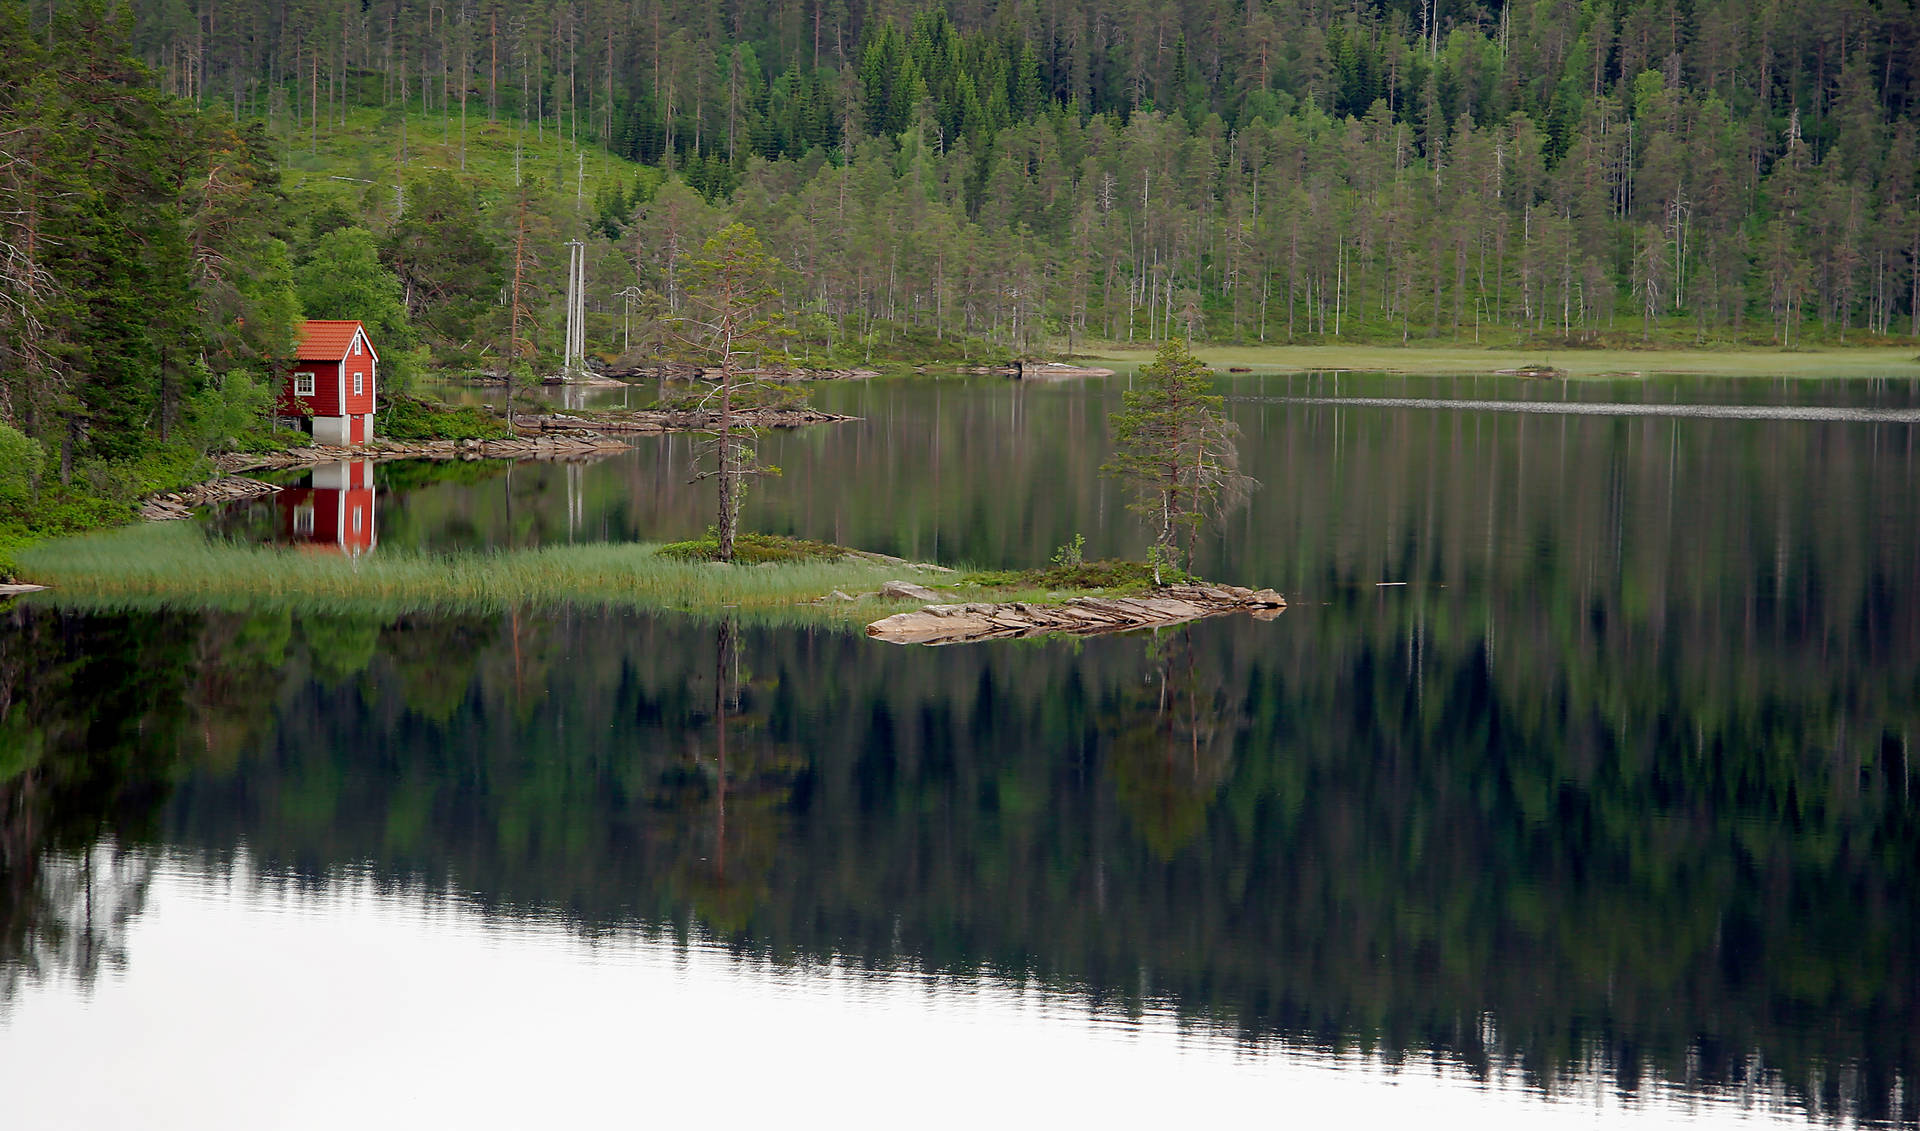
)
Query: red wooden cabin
[
  {"x": 332, "y": 390},
  {"x": 334, "y": 512}
]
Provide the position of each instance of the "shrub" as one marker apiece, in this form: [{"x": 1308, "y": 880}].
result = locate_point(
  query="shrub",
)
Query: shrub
[
  {"x": 406, "y": 417},
  {"x": 754, "y": 549},
  {"x": 21, "y": 458}
]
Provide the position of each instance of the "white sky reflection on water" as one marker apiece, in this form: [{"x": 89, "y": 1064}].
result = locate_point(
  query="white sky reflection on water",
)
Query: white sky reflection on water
[{"x": 260, "y": 1006}]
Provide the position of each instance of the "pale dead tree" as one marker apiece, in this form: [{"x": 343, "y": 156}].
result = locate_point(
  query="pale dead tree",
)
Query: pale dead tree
[{"x": 26, "y": 286}]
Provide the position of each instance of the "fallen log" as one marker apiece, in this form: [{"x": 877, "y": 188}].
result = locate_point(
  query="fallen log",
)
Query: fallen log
[{"x": 1080, "y": 616}]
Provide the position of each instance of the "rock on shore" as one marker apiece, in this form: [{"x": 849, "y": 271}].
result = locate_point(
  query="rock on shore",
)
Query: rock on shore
[
  {"x": 525, "y": 447},
  {"x": 655, "y": 420},
  {"x": 654, "y": 369},
  {"x": 1081, "y": 616},
  {"x": 173, "y": 505}
]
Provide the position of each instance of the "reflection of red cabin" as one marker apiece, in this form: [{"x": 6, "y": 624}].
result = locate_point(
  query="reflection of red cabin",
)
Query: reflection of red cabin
[
  {"x": 335, "y": 513},
  {"x": 331, "y": 389}
]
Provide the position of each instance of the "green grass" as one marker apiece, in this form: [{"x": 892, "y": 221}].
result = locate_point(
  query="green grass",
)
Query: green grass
[
  {"x": 1111, "y": 577},
  {"x": 755, "y": 549},
  {"x": 1861, "y": 361},
  {"x": 174, "y": 565},
  {"x": 102, "y": 495},
  {"x": 357, "y": 160}
]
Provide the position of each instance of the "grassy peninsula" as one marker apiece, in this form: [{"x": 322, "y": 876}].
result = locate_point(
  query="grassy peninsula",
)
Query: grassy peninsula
[{"x": 175, "y": 564}]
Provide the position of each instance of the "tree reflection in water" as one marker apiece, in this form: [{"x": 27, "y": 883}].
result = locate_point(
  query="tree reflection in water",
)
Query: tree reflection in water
[
  {"x": 1172, "y": 745},
  {"x": 1350, "y": 828},
  {"x": 64, "y": 916}
]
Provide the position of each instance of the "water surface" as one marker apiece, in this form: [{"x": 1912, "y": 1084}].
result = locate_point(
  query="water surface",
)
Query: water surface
[{"x": 1575, "y": 785}]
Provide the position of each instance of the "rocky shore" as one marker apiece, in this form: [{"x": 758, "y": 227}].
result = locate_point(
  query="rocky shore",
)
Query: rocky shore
[
  {"x": 657, "y": 420},
  {"x": 582, "y": 446},
  {"x": 1030, "y": 370},
  {"x": 1080, "y": 616},
  {"x": 173, "y": 505},
  {"x": 687, "y": 371}
]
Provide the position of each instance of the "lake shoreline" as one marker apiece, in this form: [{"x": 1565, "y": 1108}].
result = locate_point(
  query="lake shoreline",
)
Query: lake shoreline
[
  {"x": 163, "y": 564},
  {"x": 382, "y": 451},
  {"x": 1467, "y": 360}
]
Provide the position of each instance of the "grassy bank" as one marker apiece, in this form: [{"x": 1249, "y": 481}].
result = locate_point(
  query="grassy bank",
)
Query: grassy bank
[
  {"x": 174, "y": 565},
  {"x": 1864, "y": 361}
]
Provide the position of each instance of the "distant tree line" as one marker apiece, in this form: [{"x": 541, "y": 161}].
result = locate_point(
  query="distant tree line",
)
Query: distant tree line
[{"x": 1265, "y": 170}]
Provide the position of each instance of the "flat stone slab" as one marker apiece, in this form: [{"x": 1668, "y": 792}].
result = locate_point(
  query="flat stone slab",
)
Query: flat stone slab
[{"x": 1081, "y": 616}]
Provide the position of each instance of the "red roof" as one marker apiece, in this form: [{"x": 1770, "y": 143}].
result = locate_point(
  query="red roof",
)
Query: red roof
[{"x": 326, "y": 339}]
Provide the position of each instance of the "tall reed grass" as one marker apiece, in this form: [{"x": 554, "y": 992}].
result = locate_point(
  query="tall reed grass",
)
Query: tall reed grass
[{"x": 175, "y": 565}]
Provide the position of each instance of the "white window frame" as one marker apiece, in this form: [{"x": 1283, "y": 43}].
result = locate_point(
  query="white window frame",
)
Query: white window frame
[
  {"x": 359, "y": 384},
  {"x": 303, "y": 384},
  {"x": 303, "y": 518}
]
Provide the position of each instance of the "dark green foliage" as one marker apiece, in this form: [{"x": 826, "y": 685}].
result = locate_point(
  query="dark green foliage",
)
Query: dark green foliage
[
  {"x": 403, "y": 416},
  {"x": 754, "y": 549},
  {"x": 341, "y": 275},
  {"x": 145, "y": 293},
  {"x": 447, "y": 264},
  {"x": 1174, "y": 451}
]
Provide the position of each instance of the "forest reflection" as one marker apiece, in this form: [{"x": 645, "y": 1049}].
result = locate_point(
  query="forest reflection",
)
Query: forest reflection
[
  {"x": 1617, "y": 786},
  {"x": 1362, "y": 826}
]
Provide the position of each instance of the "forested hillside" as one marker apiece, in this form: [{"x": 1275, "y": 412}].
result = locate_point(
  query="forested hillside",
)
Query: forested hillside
[
  {"x": 1238, "y": 169},
  {"x": 181, "y": 181}
]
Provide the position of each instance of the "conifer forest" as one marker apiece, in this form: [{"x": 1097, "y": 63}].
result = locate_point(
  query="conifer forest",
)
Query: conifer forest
[
  {"x": 1230, "y": 170},
  {"x": 1243, "y": 169}
]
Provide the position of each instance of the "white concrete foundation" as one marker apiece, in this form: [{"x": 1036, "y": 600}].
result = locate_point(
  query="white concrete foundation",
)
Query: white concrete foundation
[{"x": 332, "y": 431}]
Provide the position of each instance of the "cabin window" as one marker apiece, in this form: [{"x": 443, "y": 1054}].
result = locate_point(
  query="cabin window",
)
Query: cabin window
[
  {"x": 303, "y": 519},
  {"x": 356, "y": 520},
  {"x": 303, "y": 384},
  {"x": 359, "y": 383}
]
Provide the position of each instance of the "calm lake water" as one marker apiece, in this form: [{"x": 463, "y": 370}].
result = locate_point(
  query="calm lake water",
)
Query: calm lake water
[{"x": 1575, "y": 786}]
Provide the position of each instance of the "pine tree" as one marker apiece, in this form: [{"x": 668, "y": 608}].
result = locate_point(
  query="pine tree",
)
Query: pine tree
[
  {"x": 1175, "y": 452},
  {"x": 731, "y": 284}
]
